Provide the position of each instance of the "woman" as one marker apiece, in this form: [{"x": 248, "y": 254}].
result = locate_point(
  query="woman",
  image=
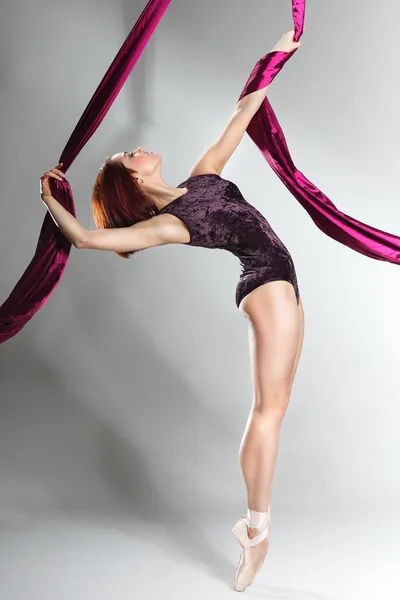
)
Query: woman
[{"x": 134, "y": 208}]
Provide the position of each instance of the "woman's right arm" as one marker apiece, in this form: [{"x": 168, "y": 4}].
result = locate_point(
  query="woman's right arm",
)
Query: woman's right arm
[
  {"x": 145, "y": 234},
  {"x": 156, "y": 231}
]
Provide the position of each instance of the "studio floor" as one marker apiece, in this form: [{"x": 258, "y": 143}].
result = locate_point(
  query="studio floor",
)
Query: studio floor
[{"x": 318, "y": 554}]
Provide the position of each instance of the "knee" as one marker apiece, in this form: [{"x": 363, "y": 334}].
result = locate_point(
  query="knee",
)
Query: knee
[
  {"x": 270, "y": 417},
  {"x": 272, "y": 407}
]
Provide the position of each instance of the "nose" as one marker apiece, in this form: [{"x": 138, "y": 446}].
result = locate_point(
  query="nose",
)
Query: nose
[{"x": 142, "y": 150}]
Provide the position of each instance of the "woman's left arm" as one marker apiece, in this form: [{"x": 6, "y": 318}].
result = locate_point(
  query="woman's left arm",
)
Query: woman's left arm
[
  {"x": 216, "y": 157},
  {"x": 253, "y": 101}
]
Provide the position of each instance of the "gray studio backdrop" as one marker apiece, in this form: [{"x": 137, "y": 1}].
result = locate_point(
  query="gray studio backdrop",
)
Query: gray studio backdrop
[{"x": 130, "y": 389}]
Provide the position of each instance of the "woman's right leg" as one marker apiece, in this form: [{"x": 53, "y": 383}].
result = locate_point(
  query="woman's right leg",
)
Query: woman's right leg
[{"x": 276, "y": 330}]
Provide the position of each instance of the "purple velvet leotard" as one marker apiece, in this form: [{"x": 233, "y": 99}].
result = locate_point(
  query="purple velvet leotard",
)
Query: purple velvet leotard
[{"x": 218, "y": 216}]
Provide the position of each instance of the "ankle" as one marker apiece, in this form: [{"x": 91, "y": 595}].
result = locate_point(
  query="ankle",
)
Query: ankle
[
  {"x": 256, "y": 520},
  {"x": 252, "y": 532}
]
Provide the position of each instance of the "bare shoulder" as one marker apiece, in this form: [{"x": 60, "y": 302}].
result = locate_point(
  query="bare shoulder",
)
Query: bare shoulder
[
  {"x": 204, "y": 167},
  {"x": 170, "y": 228}
]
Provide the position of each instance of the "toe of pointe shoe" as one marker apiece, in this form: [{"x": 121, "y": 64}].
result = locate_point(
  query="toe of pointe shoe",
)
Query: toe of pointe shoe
[{"x": 244, "y": 573}]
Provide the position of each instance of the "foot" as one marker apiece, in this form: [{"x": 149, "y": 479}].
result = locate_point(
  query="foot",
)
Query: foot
[
  {"x": 259, "y": 551},
  {"x": 253, "y": 552}
]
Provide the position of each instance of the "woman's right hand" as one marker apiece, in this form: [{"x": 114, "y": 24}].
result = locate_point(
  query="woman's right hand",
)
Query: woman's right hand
[{"x": 45, "y": 191}]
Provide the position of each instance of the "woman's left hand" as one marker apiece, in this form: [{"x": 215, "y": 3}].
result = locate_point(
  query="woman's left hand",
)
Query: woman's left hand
[
  {"x": 45, "y": 191},
  {"x": 286, "y": 43}
]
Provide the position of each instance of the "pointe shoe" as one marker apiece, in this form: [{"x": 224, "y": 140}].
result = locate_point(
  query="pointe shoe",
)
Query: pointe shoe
[{"x": 245, "y": 573}]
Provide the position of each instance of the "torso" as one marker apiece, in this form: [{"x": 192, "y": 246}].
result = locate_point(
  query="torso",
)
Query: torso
[
  {"x": 214, "y": 214},
  {"x": 179, "y": 231}
]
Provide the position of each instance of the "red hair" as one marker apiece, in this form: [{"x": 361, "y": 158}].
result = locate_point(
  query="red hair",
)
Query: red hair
[{"x": 118, "y": 200}]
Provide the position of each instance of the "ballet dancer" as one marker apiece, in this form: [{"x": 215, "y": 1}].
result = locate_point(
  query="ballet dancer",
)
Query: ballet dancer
[{"x": 134, "y": 208}]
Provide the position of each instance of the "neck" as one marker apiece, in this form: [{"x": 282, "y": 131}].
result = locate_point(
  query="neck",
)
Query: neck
[{"x": 160, "y": 192}]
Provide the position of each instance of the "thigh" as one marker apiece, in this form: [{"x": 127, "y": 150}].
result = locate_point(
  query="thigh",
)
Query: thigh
[
  {"x": 299, "y": 341},
  {"x": 275, "y": 329}
]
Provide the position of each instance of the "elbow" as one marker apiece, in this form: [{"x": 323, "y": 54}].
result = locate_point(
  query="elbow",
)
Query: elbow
[{"x": 80, "y": 243}]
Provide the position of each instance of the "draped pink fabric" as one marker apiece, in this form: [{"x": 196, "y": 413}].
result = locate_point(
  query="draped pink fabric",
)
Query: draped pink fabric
[
  {"x": 52, "y": 251},
  {"x": 50, "y": 260},
  {"x": 267, "y": 134}
]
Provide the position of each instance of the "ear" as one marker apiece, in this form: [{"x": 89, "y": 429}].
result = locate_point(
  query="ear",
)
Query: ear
[{"x": 138, "y": 179}]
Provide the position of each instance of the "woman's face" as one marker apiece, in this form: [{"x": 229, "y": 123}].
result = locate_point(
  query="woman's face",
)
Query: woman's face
[{"x": 143, "y": 162}]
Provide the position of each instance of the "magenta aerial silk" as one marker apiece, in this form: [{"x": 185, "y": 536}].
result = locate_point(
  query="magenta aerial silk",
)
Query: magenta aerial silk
[
  {"x": 267, "y": 134},
  {"x": 50, "y": 260},
  {"x": 51, "y": 256}
]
